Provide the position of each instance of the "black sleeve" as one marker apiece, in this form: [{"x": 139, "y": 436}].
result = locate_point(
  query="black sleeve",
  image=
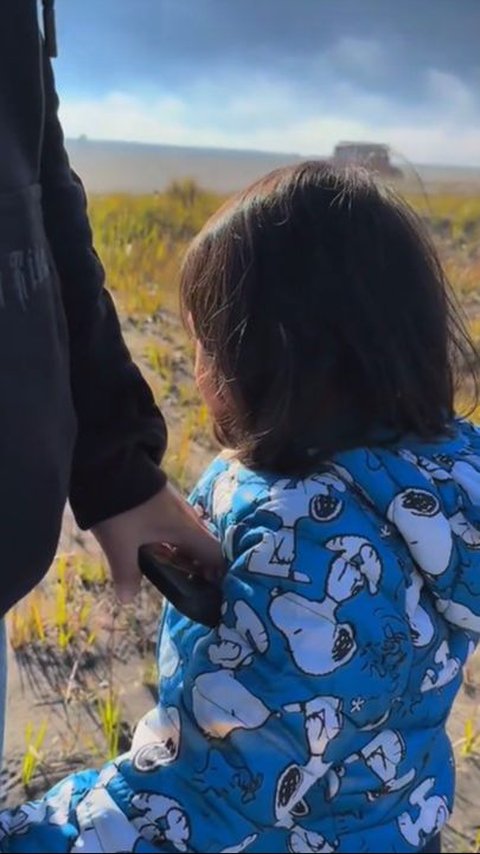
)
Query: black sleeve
[{"x": 122, "y": 434}]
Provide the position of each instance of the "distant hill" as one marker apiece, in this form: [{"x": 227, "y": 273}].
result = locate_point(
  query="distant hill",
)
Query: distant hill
[{"x": 108, "y": 167}]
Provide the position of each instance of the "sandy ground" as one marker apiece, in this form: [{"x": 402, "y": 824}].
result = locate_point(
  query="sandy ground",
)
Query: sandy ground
[{"x": 46, "y": 688}]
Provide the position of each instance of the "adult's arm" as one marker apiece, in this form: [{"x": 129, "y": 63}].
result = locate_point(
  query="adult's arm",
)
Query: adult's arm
[{"x": 121, "y": 432}]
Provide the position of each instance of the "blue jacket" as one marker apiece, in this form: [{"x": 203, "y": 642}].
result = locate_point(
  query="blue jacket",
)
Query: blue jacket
[{"x": 313, "y": 719}]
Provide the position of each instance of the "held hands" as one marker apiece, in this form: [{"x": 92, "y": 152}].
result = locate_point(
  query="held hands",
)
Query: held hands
[{"x": 166, "y": 517}]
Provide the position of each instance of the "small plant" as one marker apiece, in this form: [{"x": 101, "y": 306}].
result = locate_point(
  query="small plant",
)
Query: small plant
[
  {"x": 84, "y": 614},
  {"x": 32, "y": 757},
  {"x": 203, "y": 417},
  {"x": 92, "y": 573},
  {"x": 61, "y": 608},
  {"x": 27, "y": 622},
  {"x": 159, "y": 358},
  {"x": 472, "y": 739},
  {"x": 109, "y": 710},
  {"x": 72, "y": 603},
  {"x": 470, "y": 742}
]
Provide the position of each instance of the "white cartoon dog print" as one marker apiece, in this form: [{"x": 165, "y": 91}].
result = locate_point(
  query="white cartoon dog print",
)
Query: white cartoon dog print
[
  {"x": 220, "y": 702},
  {"x": 435, "y": 472},
  {"x": 103, "y": 826},
  {"x": 169, "y": 658},
  {"x": 421, "y": 627},
  {"x": 459, "y": 615},
  {"x": 431, "y": 815},
  {"x": 462, "y": 528},
  {"x": 417, "y": 515},
  {"x": 357, "y": 565},
  {"x": 156, "y": 741},
  {"x": 241, "y": 846},
  {"x": 237, "y": 646},
  {"x": 317, "y": 642},
  {"x": 448, "y": 669},
  {"x": 323, "y": 722},
  {"x": 161, "y": 820},
  {"x": 382, "y": 755},
  {"x": 442, "y": 468},
  {"x": 464, "y": 472},
  {"x": 301, "y": 840},
  {"x": 312, "y": 498}
]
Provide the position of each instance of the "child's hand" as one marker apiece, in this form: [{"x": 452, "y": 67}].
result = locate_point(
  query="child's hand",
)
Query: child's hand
[{"x": 164, "y": 518}]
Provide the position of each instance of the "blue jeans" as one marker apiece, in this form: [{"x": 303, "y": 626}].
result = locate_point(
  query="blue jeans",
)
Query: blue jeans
[{"x": 3, "y": 684}]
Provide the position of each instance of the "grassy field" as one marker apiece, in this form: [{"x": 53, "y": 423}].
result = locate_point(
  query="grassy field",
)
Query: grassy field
[{"x": 83, "y": 670}]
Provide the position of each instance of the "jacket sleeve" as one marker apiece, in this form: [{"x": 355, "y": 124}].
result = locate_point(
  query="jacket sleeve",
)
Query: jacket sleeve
[{"x": 122, "y": 434}]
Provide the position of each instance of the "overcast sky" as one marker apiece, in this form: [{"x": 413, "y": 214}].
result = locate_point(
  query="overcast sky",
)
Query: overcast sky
[{"x": 279, "y": 75}]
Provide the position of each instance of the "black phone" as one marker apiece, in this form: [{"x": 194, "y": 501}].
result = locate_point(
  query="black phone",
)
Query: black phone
[{"x": 173, "y": 574}]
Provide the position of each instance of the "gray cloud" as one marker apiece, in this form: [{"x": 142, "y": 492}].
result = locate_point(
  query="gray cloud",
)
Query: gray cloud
[{"x": 170, "y": 41}]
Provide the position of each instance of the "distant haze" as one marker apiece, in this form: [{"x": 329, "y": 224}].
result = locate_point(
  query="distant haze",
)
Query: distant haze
[
  {"x": 274, "y": 75},
  {"x": 109, "y": 167}
]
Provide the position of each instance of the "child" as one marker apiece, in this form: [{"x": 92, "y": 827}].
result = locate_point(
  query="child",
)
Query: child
[{"x": 313, "y": 719}]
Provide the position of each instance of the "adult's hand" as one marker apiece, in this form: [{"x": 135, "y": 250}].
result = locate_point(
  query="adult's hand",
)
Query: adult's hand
[{"x": 166, "y": 517}]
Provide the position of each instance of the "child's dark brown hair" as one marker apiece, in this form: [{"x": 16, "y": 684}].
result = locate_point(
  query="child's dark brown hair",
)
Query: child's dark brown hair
[{"x": 327, "y": 316}]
